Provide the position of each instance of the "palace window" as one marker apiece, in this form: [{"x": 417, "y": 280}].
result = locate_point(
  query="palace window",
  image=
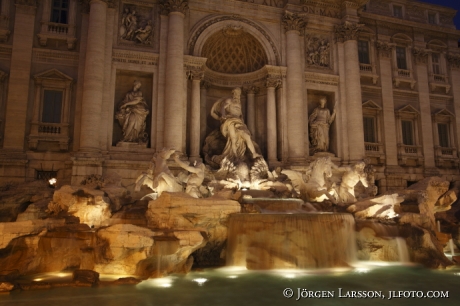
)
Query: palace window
[
  {"x": 363, "y": 52},
  {"x": 372, "y": 139},
  {"x": 432, "y": 18},
  {"x": 397, "y": 11},
  {"x": 443, "y": 134},
  {"x": 52, "y": 106},
  {"x": 409, "y": 148},
  {"x": 50, "y": 120},
  {"x": 58, "y": 22},
  {"x": 407, "y": 129},
  {"x": 437, "y": 67},
  {"x": 369, "y": 129},
  {"x": 59, "y": 11},
  {"x": 436, "y": 63},
  {"x": 401, "y": 59},
  {"x": 444, "y": 140}
]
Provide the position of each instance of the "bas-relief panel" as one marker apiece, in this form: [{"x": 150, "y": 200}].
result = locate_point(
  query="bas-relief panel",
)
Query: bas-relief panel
[
  {"x": 136, "y": 25},
  {"x": 318, "y": 51},
  {"x": 124, "y": 84}
]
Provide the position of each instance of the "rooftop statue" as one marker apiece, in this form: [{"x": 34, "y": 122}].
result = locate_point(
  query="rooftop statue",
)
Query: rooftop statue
[
  {"x": 132, "y": 114},
  {"x": 320, "y": 121}
]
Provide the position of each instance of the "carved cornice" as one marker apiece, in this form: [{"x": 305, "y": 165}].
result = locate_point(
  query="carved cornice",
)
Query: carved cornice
[
  {"x": 385, "y": 48},
  {"x": 134, "y": 57},
  {"x": 168, "y": 6},
  {"x": 454, "y": 60},
  {"x": 347, "y": 31},
  {"x": 321, "y": 78},
  {"x": 293, "y": 22},
  {"x": 420, "y": 55}
]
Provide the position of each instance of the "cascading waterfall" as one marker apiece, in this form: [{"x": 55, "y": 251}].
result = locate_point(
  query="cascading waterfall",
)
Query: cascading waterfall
[{"x": 277, "y": 241}]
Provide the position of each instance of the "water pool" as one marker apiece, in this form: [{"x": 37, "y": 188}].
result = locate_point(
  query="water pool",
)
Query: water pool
[{"x": 228, "y": 286}]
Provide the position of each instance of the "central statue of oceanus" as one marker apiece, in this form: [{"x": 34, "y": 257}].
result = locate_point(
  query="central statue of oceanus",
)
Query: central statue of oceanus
[{"x": 231, "y": 149}]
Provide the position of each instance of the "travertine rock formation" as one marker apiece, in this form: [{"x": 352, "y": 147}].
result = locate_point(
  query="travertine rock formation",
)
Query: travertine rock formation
[
  {"x": 179, "y": 211},
  {"x": 90, "y": 205}
]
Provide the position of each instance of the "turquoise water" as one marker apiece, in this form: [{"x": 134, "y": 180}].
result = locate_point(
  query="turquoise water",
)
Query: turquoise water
[{"x": 236, "y": 287}]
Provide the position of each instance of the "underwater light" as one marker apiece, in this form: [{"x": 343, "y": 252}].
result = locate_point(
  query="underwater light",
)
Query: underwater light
[
  {"x": 200, "y": 281},
  {"x": 164, "y": 282}
]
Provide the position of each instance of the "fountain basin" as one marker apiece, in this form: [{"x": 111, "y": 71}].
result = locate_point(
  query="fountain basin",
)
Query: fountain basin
[{"x": 283, "y": 241}]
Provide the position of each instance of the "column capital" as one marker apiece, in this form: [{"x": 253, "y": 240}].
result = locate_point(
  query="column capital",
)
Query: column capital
[
  {"x": 205, "y": 85},
  {"x": 420, "y": 55},
  {"x": 86, "y": 4},
  {"x": 32, "y": 3},
  {"x": 293, "y": 22},
  {"x": 251, "y": 89},
  {"x": 195, "y": 74},
  {"x": 272, "y": 82},
  {"x": 454, "y": 60},
  {"x": 347, "y": 31},
  {"x": 26, "y": 6},
  {"x": 385, "y": 48},
  {"x": 169, "y": 6}
]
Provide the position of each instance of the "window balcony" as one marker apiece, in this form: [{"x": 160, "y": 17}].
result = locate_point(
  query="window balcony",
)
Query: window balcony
[
  {"x": 375, "y": 151},
  {"x": 410, "y": 155},
  {"x": 58, "y": 31},
  {"x": 404, "y": 76},
  {"x": 53, "y": 132},
  {"x": 439, "y": 81},
  {"x": 446, "y": 157},
  {"x": 368, "y": 71}
]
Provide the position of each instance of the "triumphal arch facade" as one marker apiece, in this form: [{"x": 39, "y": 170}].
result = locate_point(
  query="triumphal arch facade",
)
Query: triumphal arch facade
[{"x": 99, "y": 86}]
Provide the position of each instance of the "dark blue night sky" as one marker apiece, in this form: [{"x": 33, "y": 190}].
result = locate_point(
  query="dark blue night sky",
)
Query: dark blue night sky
[{"x": 455, "y": 4}]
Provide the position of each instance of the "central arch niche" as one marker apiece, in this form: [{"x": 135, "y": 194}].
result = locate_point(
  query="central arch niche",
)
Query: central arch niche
[{"x": 234, "y": 51}]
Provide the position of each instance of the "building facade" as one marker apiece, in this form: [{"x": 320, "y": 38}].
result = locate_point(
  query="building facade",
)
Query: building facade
[{"x": 99, "y": 86}]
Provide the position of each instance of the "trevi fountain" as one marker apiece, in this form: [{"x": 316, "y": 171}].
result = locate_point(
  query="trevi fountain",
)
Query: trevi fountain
[{"x": 227, "y": 229}]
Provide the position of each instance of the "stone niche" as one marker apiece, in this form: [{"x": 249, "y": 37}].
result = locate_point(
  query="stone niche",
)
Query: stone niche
[
  {"x": 313, "y": 97},
  {"x": 124, "y": 84}
]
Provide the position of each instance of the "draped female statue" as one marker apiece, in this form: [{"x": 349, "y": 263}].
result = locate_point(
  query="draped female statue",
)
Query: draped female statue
[
  {"x": 320, "y": 121},
  {"x": 132, "y": 115}
]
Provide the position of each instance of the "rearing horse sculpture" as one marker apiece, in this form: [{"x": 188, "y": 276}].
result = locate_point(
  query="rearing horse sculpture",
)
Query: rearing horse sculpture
[{"x": 313, "y": 187}]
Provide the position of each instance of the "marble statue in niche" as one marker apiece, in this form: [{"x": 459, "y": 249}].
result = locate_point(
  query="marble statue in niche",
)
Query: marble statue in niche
[
  {"x": 317, "y": 52},
  {"x": 136, "y": 25},
  {"x": 132, "y": 115},
  {"x": 319, "y": 122}
]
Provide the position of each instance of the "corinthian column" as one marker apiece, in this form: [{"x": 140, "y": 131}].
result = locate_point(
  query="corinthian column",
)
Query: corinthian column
[
  {"x": 271, "y": 84},
  {"x": 18, "y": 85},
  {"x": 174, "y": 86},
  {"x": 388, "y": 105},
  {"x": 294, "y": 24},
  {"x": 421, "y": 61},
  {"x": 454, "y": 64},
  {"x": 347, "y": 33},
  {"x": 196, "y": 76},
  {"x": 251, "y": 110},
  {"x": 93, "y": 83}
]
